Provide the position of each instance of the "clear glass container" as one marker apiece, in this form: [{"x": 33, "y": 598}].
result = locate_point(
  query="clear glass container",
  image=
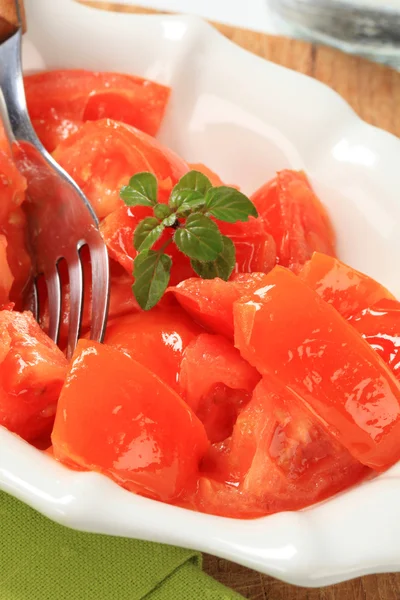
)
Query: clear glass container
[{"x": 367, "y": 27}]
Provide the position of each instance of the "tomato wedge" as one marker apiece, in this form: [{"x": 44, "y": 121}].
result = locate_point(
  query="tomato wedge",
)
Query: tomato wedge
[
  {"x": 278, "y": 458},
  {"x": 32, "y": 372},
  {"x": 14, "y": 229},
  {"x": 103, "y": 155},
  {"x": 380, "y": 327},
  {"x": 255, "y": 246},
  {"x": 348, "y": 290},
  {"x": 210, "y": 301},
  {"x": 107, "y": 421},
  {"x": 60, "y": 101},
  {"x": 325, "y": 362},
  {"x": 156, "y": 339},
  {"x": 295, "y": 217},
  {"x": 216, "y": 382}
]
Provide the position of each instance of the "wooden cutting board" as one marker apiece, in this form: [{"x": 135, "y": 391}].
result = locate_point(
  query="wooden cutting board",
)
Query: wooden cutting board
[{"x": 374, "y": 93}]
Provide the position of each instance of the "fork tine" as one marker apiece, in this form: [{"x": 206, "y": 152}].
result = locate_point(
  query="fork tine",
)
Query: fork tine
[
  {"x": 100, "y": 288},
  {"x": 75, "y": 302},
  {"x": 54, "y": 301}
]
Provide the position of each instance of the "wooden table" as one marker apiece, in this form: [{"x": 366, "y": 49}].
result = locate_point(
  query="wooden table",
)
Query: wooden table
[{"x": 374, "y": 93}]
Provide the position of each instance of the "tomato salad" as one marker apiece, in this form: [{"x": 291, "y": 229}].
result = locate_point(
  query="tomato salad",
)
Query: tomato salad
[{"x": 252, "y": 372}]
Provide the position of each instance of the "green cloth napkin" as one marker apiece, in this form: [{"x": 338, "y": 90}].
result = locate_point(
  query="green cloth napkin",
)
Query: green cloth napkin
[{"x": 41, "y": 560}]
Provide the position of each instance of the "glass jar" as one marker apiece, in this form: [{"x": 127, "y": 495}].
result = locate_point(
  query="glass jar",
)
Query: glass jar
[{"x": 367, "y": 27}]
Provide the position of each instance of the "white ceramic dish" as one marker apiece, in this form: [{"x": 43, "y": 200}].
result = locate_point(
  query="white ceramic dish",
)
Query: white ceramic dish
[{"x": 245, "y": 118}]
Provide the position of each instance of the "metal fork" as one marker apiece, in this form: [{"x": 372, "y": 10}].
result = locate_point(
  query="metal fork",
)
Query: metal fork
[{"x": 60, "y": 219}]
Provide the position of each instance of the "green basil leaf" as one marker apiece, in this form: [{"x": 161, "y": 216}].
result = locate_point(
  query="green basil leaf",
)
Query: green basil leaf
[
  {"x": 222, "y": 266},
  {"x": 152, "y": 272},
  {"x": 187, "y": 198},
  {"x": 195, "y": 181},
  {"x": 147, "y": 233},
  {"x": 230, "y": 205},
  {"x": 141, "y": 190},
  {"x": 161, "y": 211},
  {"x": 200, "y": 238},
  {"x": 169, "y": 221}
]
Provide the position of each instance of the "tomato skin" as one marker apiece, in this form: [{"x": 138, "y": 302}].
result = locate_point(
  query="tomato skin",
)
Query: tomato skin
[
  {"x": 107, "y": 421},
  {"x": 348, "y": 290},
  {"x": 32, "y": 371},
  {"x": 380, "y": 327},
  {"x": 103, "y": 155},
  {"x": 60, "y": 101},
  {"x": 319, "y": 356},
  {"x": 296, "y": 219},
  {"x": 210, "y": 301},
  {"x": 156, "y": 339},
  {"x": 278, "y": 458},
  {"x": 216, "y": 382}
]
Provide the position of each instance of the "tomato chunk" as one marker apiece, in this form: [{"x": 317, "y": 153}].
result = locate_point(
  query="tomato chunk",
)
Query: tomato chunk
[
  {"x": 156, "y": 339},
  {"x": 278, "y": 458},
  {"x": 32, "y": 372},
  {"x": 348, "y": 290},
  {"x": 60, "y": 101},
  {"x": 15, "y": 230},
  {"x": 296, "y": 219},
  {"x": 12, "y": 186},
  {"x": 255, "y": 246},
  {"x": 380, "y": 327},
  {"x": 116, "y": 417},
  {"x": 6, "y": 277},
  {"x": 103, "y": 155},
  {"x": 286, "y": 330},
  {"x": 210, "y": 301},
  {"x": 216, "y": 382}
]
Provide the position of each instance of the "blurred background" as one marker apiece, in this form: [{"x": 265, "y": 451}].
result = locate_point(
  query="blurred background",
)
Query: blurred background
[{"x": 370, "y": 28}]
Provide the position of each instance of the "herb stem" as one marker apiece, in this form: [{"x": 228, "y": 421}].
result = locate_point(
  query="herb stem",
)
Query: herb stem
[{"x": 165, "y": 245}]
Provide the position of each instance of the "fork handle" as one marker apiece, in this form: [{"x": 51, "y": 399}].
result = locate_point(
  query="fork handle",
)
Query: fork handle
[{"x": 12, "y": 16}]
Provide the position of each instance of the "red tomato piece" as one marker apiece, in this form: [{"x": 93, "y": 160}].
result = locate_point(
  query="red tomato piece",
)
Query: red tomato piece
[
  {"x": 255, "y": 247},
  {"x": 118, "y": 229},
  {"x": 32, "y": 372},
  {"x": 279, "y": 458},
  {"x": 296, "y": 219},
  {"x": 380, "y": 327},
  {"x": 14, "y": 229},
  {"x": 156, "y": 339},
  {"x": 210, "y": 301},
  {"x": 12, "y": 187},
  {"x": 103, "y": 155},
  {"x": 6, "y": 277},
  {"x": 216, "y": 382},
  {"x": 286, "y": 330},
  {"x": 60, "y": 101},
  {"x": 348, "y": 290},
  {"x": 116, "y": 417}
]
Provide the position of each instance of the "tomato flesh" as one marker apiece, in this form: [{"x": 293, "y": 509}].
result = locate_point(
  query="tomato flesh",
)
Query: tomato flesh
[
  {"x": 60, "y": 101},
  {"x": 156, "y": 339},
  {"x": 6, "y": 277},
  {"x": 32, "y": 372},
  {"x": 348, "y": 290},
  {"x": 320, "y": 357},
  {"x": 103, "y": 155},
  {"x": 210, "y": 301},
  {"x": 295, "y": 218},
  {"x": 107, "y": 421},
  {"x": 278, "y": 458},
  {"x": 216, "y": 382},
  {"x": 380, "y": 327}
]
